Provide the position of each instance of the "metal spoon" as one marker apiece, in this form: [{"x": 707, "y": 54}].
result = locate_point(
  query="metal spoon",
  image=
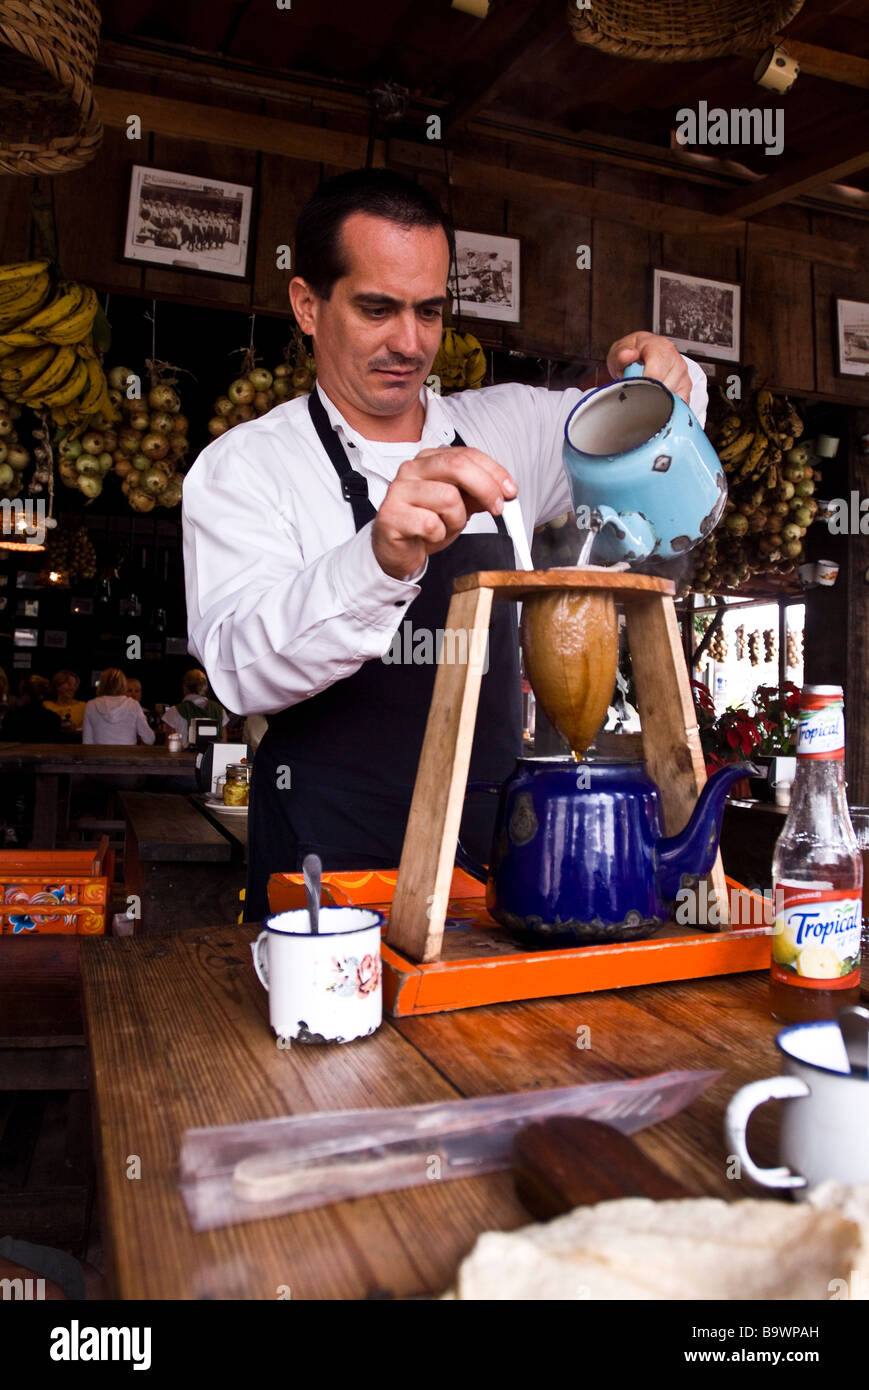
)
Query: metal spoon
[
  {"x": 312, "y": 869},
  {"x": 854, "y": 1026}
]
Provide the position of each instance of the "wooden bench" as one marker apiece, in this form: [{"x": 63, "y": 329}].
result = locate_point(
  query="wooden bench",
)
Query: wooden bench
[{"x": 183, "y": 870}]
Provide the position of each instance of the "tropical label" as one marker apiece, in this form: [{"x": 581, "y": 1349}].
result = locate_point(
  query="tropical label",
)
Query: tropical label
[
  {"x": 821, "y": 732},
  {"x": 816, "y": 937}
]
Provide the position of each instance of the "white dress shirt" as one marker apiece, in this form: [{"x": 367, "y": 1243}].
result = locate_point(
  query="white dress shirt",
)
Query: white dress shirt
[{"x": 283, "y": 596}]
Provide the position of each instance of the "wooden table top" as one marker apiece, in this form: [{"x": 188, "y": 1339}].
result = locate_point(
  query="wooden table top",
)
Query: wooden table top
[
  {"x": 179, "y": 1037},
  {"x": 95, "y": 757},
  {"x": 233, "y": 827}
]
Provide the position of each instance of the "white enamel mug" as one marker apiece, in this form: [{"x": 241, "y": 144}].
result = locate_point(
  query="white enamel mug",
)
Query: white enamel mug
[
  {"x": 825, "y": 1118},
  {"x": 324, "y": 988}
]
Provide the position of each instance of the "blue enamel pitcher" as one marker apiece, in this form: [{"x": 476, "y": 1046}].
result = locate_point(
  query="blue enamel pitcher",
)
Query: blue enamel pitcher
[
  {"x": 642, "y": 473},
  {"x": 578, "y": 856}
]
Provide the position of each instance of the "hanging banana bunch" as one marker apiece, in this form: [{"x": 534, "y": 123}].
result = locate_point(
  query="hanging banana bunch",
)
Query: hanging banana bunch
[
  {"x": 48, "y": 358},
  {"x": 460, "y": 362}
]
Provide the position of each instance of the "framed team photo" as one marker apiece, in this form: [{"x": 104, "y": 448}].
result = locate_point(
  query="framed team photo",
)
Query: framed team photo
[
  {"x": 852, "y": 324},
  {"x": 486, "y": 284},
  {"x": 188, "y": 223},
  {"x": 700, "y": 316}
]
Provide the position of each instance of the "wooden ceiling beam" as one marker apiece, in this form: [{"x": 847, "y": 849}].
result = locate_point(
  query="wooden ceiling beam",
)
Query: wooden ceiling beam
[
  {"x": 544, "y": 27},
  {"x": 216, "y": 125},
  {"x": 840, "y": 150},
  {"x": 826, "y": 62}
]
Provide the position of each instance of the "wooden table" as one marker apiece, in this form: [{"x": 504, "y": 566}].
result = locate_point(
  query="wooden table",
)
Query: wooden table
[
  {"x": 54, "y": 764},
  {"x": 179, "y": 1037},
  {"x": 233, "y": 827}
]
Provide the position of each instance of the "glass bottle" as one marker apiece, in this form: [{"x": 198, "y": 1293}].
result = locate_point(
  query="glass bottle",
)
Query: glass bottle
[{"x": 817, "y": 874}]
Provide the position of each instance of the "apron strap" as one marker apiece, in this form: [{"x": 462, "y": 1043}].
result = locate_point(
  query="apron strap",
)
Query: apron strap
[{"x": 353, "y": 485}]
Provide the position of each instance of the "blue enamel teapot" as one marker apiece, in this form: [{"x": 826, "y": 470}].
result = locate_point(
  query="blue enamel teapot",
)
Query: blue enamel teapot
[
  {"x": 578, "y": 856},
  {"x": 642, "y": 473}
]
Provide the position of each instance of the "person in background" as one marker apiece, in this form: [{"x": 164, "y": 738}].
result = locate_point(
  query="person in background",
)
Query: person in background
[
  {"x": 154, "y": 717},
  {"x": 64, "y": 685},
  {"x": 195, "y": 705},
  {"x": 29, "y": 721},
  {"x": 112, "y": 717}
]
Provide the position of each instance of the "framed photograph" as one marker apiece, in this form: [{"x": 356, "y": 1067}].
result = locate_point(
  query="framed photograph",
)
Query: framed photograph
[
  {"x": 4, "y": 580},
  {"x": 487, "y": 277},
  {"x": 25, "y": 637},
  {"x": 701, "y": 316},
  {"x": 188, "y": 223},
  {"x": 3, "y": 602},
  {"x": 82, "y": 606},
  {"x": 852, "y": 320},
  {"x": 22, "y": 661},
  {"x": 28, "y": 608},
  {"x": 27, "y": 579},
  {"x": 53, "y": 638},
  {"x": 176, "y": 646}
]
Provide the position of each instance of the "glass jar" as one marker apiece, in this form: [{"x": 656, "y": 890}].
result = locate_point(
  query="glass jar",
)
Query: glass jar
[{"x": 236, "y": 791}]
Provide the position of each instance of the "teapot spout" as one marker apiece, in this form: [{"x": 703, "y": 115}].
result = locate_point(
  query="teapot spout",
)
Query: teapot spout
[{"x": 692, "y": 852}]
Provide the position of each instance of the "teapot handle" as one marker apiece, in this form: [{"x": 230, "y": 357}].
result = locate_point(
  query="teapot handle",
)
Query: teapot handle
[
  {"x": 463, "y": 859},
  {"x": 633, "y": 369}
]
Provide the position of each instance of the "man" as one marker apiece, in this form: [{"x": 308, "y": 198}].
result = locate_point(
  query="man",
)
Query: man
[
  {"x": 194, "y": 705},
  {"x": 312, "y": 534}
]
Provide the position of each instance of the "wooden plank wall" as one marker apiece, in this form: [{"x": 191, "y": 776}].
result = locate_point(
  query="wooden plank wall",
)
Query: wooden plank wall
[{"x": 567, "y": 313}]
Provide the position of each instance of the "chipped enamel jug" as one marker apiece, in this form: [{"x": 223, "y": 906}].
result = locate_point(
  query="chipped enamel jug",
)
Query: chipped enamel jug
[{"x": 642, "y": 473}]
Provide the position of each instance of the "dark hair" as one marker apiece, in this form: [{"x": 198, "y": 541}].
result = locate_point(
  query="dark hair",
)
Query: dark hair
[{"x": 379, "y": 192}]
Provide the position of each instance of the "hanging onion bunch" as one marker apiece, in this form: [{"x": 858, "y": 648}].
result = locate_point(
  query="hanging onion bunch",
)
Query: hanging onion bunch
[
  {"x": 149, "y": 448},
  {"x": 14, "y": 458},
  {"x": 257, "y": 390}
]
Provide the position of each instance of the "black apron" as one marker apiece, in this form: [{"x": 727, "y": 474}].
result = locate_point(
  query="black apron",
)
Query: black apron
[{"x": 334, "y": 774}]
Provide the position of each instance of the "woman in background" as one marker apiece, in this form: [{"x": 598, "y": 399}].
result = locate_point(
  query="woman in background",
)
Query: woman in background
[
  {"x": 62, "y": 701},
  {"x": 113, "y": 717}
]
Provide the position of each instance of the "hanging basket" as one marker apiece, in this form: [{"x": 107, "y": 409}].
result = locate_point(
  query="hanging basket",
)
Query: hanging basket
[
  {"x": 49, "y": 122},
  {"x": 668, "y": 31}
]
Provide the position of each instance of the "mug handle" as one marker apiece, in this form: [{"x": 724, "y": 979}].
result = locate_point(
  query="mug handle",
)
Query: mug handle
[
  {"x": 736, "y": 1119},
  {"x": 260, "y": 959}
]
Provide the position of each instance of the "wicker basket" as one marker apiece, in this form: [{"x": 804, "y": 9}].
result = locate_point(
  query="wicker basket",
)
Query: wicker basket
[
  {"x": 666, "y": 31},
  {"x": 49, "y": 122}
]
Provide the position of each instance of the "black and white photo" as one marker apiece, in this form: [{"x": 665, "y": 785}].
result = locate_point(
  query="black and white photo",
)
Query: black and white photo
[
  {"x": 699, "y": 315},
  {"x": 188, "y": 223},
  {"x": 852, "y": 319},
  {"x": 487, "y": 277}
]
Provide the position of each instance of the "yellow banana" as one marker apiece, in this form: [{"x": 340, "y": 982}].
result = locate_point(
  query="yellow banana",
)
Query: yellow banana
[
  {"x": 25, "y": 365},
  {"x": 53, "y": 376},
  {"x": 734, "y": 451},
  {"x": 31, "y": 299},
  {"x": 21, "y": 270},
  {"x": 90, "y": 401},
  {"x": 76, "y": 325},
  {"x": 763, "y": 406},
  {"x": 67, "y": 300},
  {"x": 72, "y": 387}
]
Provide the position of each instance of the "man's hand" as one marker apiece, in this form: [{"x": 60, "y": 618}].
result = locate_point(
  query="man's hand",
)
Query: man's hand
[
  {"x": 428, "y": 504},
  {"x": 659, "y": 357}
]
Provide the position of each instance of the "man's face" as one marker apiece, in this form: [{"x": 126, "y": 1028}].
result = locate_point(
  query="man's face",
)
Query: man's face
[{"x": 377, "y": 336}]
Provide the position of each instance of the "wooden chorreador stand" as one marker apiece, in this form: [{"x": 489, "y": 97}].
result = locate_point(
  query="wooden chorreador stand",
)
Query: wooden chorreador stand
[{"x": 670, "y": 738}]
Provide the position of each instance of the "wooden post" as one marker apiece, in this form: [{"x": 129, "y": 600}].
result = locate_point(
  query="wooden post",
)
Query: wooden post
[{"x": 419, "y": 907}]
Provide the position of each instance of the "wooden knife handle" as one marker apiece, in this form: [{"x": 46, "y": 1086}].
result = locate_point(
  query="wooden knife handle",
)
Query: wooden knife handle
[{"x": 567, "y": 1162}]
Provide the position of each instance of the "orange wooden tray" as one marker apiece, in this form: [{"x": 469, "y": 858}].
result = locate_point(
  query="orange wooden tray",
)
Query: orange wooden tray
[{"x": 481, "y": 963}]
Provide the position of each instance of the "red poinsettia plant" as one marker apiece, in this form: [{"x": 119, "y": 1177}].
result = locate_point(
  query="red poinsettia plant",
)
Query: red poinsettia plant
[
  {"x": 737, "y": 734},
  {"x": 777, "y": 713},
  {"x": 730, "y": 737}
]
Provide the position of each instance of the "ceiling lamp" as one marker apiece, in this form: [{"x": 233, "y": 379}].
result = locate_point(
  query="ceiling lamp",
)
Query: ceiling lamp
[
  {"x": 777, "y": 70},
  {"x": 680, "y": 31},
  {"x": 478, "y": 8}
]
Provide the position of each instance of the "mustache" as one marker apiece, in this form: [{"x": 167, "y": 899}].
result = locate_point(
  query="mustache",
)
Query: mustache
[{"x": 395, "y": 362}]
